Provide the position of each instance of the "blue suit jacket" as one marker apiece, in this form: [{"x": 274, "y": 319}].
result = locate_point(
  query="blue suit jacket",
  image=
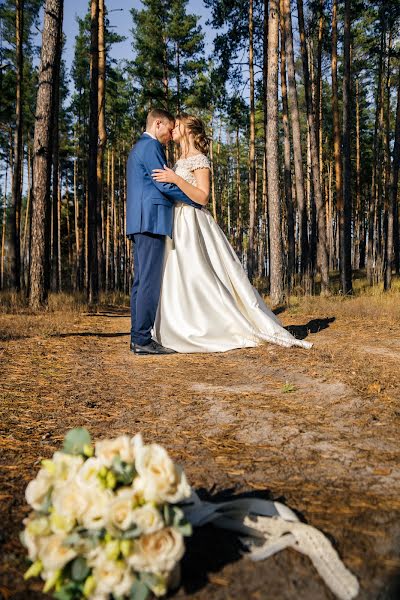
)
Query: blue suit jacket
[{"x": 149, "y": 204}]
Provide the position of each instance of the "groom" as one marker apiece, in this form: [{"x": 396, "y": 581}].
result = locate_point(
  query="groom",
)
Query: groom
[{"x": 149, "y": 218}]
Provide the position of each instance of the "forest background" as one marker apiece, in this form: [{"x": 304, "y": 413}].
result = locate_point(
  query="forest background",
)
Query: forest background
[{"x": 301, "y": 102}]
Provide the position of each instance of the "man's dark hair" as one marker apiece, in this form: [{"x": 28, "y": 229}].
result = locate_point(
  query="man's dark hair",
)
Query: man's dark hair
[{"x": 158, "y": 113}]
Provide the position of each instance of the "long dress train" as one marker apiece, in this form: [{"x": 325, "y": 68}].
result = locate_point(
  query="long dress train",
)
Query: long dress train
[{"x": 207, "y": 303}]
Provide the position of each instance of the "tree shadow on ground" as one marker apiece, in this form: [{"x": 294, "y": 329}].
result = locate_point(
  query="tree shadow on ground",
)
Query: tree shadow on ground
[
  {"x": 199, "y": 562},
  {"x": 90, "y": 334},
  {"x": 314, "y": 326}
]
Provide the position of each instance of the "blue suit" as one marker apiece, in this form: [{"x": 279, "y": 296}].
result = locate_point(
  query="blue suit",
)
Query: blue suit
[{"x": 149, "y": 217}]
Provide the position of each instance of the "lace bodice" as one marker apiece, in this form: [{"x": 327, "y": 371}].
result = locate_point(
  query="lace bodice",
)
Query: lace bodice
[{"x": 184, "y": 167}]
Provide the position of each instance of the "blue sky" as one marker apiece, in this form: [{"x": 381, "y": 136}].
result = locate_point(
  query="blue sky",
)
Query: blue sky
[{"x": 121, "y": 21}]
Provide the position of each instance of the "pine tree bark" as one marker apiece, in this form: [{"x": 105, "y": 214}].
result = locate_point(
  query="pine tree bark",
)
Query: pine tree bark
[
  {"x": 42, "y": 154},
  {"x": 15, "y": 217},
  {"x": 55, "y": 258},
  {"x": 287, "y": 160},
  {"x": 252, "y": 152},
  {"x": 345, "y": 236},
  {"x": 394, "y": 183},
  {"x": 272, "y": 154},
  {"x": 337, "y": 142},
  {"x": 101, "y": 144},
  {"x": 322, "y": 254},
  {"x": 93, "y": 275},
  {"x": 3, "y": 230},
  {"x": 297, "y": 151}
]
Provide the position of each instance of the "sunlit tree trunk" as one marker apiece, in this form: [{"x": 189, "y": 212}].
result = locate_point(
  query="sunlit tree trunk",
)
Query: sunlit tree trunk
[
  {"x": 345, "y": 237},
  {"x": 93, "y": 278},
  {"x": 272, "y": 153},
  {"x": 322, "y": 255},
  {"x": 42, "y": 154},
  {"x": 287, "y": 158},
  {"x": 15, "y": 220},
  {"x": 101, "y": 144},
  {"x": 297, "y": 152},
  {"x": 252, "y": 156}
]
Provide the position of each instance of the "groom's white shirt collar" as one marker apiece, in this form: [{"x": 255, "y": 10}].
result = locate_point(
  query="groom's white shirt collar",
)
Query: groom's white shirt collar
[{"x": 150, "y": 134}]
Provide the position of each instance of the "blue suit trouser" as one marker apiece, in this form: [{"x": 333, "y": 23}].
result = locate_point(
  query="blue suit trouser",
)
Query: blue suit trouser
[{"x": 148, "y": 256}]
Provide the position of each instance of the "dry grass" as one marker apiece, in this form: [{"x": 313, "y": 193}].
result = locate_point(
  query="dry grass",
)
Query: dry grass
[{"x": 319, "y": 428}]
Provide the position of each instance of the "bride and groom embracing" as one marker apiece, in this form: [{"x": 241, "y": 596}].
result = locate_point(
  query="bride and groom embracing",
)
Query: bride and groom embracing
[{"x": 190, "y": 292}]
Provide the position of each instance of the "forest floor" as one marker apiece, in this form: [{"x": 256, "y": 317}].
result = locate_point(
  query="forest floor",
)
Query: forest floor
[{"x": 317, "y": 429}]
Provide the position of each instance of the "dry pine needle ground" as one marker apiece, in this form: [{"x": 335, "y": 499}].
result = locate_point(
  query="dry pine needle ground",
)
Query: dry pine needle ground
[{"x": 318, "y": 429}]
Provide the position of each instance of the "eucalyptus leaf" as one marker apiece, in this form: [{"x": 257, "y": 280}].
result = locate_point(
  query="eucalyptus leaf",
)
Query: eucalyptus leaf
[
  {"x": 178, "y": 516},
  {"x": 167, "y": 514},
  {"x": 79, "y": 569},
  {"x": 185, "y": 529},
  {"x": 131, "y": 534},
  {"x": 75, "y": 440},
  {"x": 139, "y": 591},
  {"x": 149, "y": 579}
]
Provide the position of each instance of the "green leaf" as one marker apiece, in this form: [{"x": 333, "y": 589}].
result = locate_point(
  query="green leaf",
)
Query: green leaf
[
  {"x": 75, "y": 440},
  {"x": 288, "y": 387},
  {"x": 131, "y": 534},
  {"x": 167, "y": 514},
  {"x": 139, "y": 591},
  {"x": 178, "y": 516},
  {"x": 69, "y": 591},
  {"x": 149, "y": 579},
  {"x": 185, "y": 529},
  {"x": 125, "y": 472},
  {"x": 79, "y": 569}
]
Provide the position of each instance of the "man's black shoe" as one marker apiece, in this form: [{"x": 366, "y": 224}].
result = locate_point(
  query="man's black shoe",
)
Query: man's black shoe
[{"x": 152, "y": 347}]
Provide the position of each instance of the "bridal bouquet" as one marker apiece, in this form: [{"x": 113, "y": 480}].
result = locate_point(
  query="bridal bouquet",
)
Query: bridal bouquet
[{"x": 106, "y": 521}]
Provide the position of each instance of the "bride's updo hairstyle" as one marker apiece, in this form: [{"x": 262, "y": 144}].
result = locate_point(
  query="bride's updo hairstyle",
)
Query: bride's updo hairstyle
[{"x": 195, "y": 126}]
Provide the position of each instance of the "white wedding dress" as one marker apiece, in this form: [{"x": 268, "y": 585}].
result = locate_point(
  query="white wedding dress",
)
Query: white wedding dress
[{"x": 207, "y": 303}]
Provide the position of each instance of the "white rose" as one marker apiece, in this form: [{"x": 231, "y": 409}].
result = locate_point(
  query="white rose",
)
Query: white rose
[
  {"x": 160, "y": 480},
  {"x": 107, "y": 450},
  {"x": 158, "y": 552},
  {"x": 112, "y": 577},
  {"x": 88, "y": 473},
  {"x": 96, "y": 512},
  {"x": 30, "y": 542},
  {"x": 69, "y": 501},
  {"x": 121, "y": 509},
  {"x": 53, "y": 554},
  {"x": 66, "y": 467},
  {"x": 37, "y": 489},
  {"x": 148, "y": 519}
]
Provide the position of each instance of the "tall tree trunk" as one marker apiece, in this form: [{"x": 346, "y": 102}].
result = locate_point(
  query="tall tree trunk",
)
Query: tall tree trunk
[
  {"x": 337, "y": 150},
  {"x": 322, "y": 255},
  {"x": 272, "y": 153},
  {"x": 345, "y": 236},
  {"x": 388, "y": 259},
  {"x": 252, "y": 151},
  {"x": 297, "y": 152},
  {"x": 25, "y": 243},
  {"x": 394, "y": 182},
  {"x": 287, "y": 160},
  {"x": 358, "y": 212},
  {"x": 42, "y": 153},
  {"x": 239, "y": 223},
  {"x": 101, "y": 144},
  {"x": 93, "y": 275},
  {"x": 3, "y": 230},
  {"x": 15, "y": 220},
  {"x": 55, "y": 258},
  {"x": 318, "y": 86}
]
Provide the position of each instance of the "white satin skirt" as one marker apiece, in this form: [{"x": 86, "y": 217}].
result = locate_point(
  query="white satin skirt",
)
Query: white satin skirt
[{"x": 207, "y": 303}]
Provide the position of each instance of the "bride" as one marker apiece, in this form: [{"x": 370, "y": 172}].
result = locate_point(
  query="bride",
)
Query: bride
[{"x": 207, "y": 303}]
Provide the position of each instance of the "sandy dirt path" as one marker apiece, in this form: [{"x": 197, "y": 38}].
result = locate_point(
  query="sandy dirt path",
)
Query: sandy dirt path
[{"x": 318, "y": 429}]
